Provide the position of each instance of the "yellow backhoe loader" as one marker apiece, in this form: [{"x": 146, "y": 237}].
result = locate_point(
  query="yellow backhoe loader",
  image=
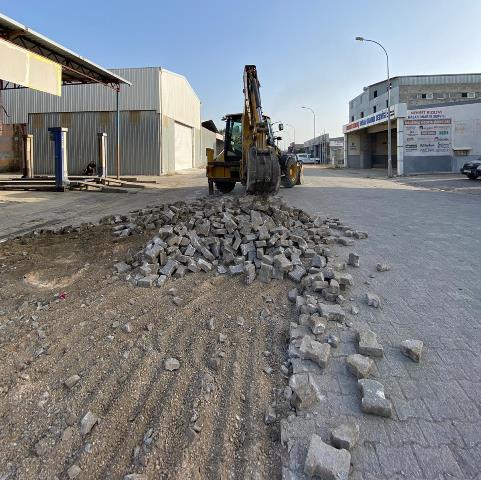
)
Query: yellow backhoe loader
[{"x": 250, "y": 154}]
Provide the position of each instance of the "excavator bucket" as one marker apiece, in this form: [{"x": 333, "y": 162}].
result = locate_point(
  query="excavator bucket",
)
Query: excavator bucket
[{"x": 263, "y": 173}]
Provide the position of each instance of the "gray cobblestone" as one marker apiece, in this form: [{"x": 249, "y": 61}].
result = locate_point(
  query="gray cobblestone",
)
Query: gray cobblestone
[
  {"x": 436, "y": 418},
  {"x": 436, "y": 461}
]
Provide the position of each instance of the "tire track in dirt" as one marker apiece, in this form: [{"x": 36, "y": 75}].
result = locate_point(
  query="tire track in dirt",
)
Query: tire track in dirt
[
  {"x": 153, "y": 411},
  {"x": 133, "y": 394}
]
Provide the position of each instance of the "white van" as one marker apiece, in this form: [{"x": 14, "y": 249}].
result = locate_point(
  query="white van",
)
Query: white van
[{"x": 307, "y": 158}]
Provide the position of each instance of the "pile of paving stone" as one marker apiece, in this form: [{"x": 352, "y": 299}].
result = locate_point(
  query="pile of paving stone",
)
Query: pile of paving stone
[
  {"x": 255, "y": 237},
  {"x": 265, "y": 239}
]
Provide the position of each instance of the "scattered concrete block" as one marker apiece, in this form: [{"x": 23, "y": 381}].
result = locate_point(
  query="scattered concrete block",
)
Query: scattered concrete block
[
  {"x": 265, "y": 273},
  {"x": 353, "y": 259},
  {"x": 373, "y": 300},
  {"x": 236, "y": 269},
  {"x": 368, "y": 344},
  {"x": 326, "y": 462},
  {"x": 204, "y": 265},
  {"x": 250, "y": 273},
  {"x": 171, "y": 364},
  {"x": 304, "y": 393},
  {"x": 72, "y": 381},
  {"x": 374, "y": 400},
  {"x": 332, "y": 340},
  {"x": 122, "y": 267},
  {"x": 317, "y": 324},
  {"x": 359, "y": 365},
  {"x": 412, "y": 349},
  {"x": 88, "y": 422},
  {"x": 315, "y": 351},
  {"x": 383, "y": 267},
  {"x": 297, "y": 273},
  {"x": 292, "y": 295},
  {"x": 148, "y": 280},
  {"x": 332, "y": 312},
  {"x": 345, "y": 436}
]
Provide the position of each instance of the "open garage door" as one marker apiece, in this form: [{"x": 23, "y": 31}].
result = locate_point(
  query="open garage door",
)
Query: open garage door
[{"x": 183, "y": 147}]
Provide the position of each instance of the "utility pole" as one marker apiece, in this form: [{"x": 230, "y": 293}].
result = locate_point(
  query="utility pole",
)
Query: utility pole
[
  {"x": 389, "y": 156},
  {"x": 314, "y": 117}
]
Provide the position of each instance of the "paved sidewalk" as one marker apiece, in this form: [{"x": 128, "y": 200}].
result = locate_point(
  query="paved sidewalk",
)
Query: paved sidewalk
[
  {"x": 432, "y": 293},
  {"x": 23, "y": 211}
]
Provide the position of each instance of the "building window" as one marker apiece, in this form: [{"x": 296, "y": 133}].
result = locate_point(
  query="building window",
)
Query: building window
[
  {"x": 375, "y": 94},
  {"x": 374, "y": 109},
  {"x": 427, "y": 96},
  {"x": 362, "y": 114},
  {"x": 352, "y": 118},
  {"x": 468, "y": 95},
  {"x": 387, "y": 105}
]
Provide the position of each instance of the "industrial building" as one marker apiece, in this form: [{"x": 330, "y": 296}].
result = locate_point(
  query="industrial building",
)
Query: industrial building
[
  {"x": 160, "y": 123},
  {"x": 436, "y": 124},
  {"x": 328, "y": 150}
]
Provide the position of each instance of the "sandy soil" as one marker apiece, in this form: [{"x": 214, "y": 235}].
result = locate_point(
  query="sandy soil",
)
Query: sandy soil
[{"x": 203, "y": 421}]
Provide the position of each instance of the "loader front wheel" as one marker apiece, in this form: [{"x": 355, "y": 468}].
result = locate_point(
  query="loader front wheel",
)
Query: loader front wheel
[
  {"x": 225, "y": 187},
  {"x": 291, "y": 174}
]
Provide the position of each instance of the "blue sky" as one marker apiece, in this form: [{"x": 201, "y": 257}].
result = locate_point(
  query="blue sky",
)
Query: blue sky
[{"x": 304, "y": 49}]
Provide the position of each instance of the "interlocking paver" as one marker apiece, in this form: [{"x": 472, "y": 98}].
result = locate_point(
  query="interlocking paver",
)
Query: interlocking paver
[
  {"x": 436, "y": 461},
  {"x": 432, "y": 293}
]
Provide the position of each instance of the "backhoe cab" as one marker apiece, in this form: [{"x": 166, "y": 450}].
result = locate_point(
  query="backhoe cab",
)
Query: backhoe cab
[{"x": 250, "y": 153}]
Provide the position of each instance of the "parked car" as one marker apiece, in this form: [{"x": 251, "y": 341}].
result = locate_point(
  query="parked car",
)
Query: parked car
[
  {"x": 472, "y": 169},
  {"x": 307, "y": 158}
]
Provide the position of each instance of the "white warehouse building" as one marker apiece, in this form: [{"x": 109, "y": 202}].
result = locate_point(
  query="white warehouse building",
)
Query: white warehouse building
[{"x": 160, "y": 123}]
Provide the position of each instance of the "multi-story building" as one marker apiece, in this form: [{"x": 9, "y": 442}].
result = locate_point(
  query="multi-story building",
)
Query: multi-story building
[{"x": 436, "y": 120}]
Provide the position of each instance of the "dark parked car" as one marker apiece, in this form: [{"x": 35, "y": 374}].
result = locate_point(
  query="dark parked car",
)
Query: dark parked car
[{"x": 472, "y": 169}]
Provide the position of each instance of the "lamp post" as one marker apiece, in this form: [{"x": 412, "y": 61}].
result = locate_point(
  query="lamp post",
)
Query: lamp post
[
  {"x": 389, "y": 157},
  {"x": 293, "y": 128},
  {"x": 314, "y": 117}
]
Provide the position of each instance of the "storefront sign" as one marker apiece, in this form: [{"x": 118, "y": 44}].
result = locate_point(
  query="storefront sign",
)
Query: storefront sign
[
  {"x": 427, "y": 114},
  {"x": 427, "y": 137},
  {"x": 373, "y": 119}
]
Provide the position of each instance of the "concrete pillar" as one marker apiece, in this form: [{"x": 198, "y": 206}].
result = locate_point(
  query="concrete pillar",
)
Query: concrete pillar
[
  {"x": 28, "y": 156},
  {"x": 400, "y": 146},
  {"x": 365, "y": 149},
  {"x": 102, "y": 150},
  {"x": 346, "y": 143}
]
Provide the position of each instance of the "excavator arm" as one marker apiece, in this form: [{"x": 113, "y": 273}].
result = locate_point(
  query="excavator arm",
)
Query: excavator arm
[{"x": 260, "y": 167}]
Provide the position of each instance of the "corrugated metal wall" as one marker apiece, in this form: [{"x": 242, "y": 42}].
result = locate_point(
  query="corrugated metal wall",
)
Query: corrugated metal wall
[
  {"x": 167, "y": 133},
  {"x": 473, "y": 78},
  {"x": 85, "y": 110},
  {"x": 142, "y": 95},
  {"x": 140, "y": 145}
]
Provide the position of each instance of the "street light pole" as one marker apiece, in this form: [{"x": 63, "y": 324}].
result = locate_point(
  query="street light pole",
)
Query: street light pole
[
  {"x": 314, "y": 116},
  {"x": 389, "y": 157},
  {"x": 293, "y": 128}
]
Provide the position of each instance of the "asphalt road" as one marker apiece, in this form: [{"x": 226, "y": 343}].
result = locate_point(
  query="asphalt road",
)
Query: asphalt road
[{"x": 430, "y": 238}]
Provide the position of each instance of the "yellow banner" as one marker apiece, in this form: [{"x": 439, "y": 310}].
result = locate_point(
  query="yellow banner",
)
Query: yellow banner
[{"x": 18, "y": 65}]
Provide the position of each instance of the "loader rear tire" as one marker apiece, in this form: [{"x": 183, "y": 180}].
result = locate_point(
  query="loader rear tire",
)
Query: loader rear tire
[{"x": 291, "y": 174}]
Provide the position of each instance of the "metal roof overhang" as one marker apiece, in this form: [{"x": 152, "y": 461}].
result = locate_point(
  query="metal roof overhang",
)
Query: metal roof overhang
[{"x": 75, "y": 69}]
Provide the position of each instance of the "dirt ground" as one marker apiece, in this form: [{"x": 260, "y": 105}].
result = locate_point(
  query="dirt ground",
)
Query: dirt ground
[{"x": 203, "y": 421}]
